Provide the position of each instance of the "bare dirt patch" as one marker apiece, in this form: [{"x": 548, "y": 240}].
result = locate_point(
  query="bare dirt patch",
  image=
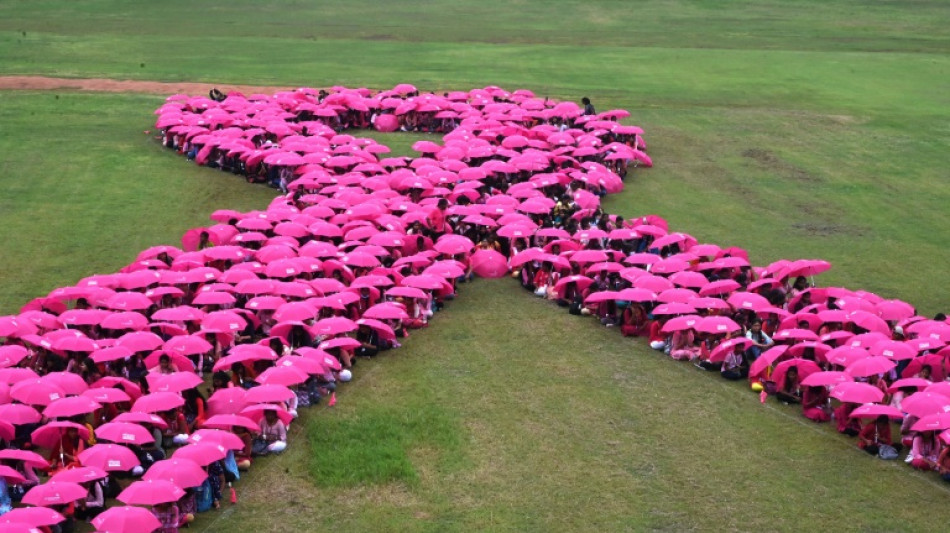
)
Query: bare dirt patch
[{"x": 42, "y": 83}]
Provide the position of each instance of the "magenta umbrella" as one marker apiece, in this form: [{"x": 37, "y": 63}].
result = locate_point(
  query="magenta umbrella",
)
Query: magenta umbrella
[
  {"x": 203, "y": 454},
  {"x": 37, "y": 516},
  {"x": 873, "y": 410},
  {"x": 932, "y": 422},
  {"x": 153, "y": 492},
  {"x": 28, "y": 457},
  {"x": 158, "y": 402},
  {"x": 217, "y": 436},
  {"x": 18, "y": 414},
  {"x": 334, "y": 326},
  {"x": 269, "y": 393},
  {"x": 80, "y": 474},
  {"x": 226, "y": 422},
  {"x": 36, "y": 392},
  {"x": 124, "y": 433},
  {"x": 857, "y": 393},
  {"x": 126, "y": 519},
  {"x": 70, "y": 407},
  {"x": 46, "y": 436},
  {"x": 187, "y": 345},
  {"x": 282, "y": 375},
  {"x": 925, "y": 403},
  {"x": 174, "y": 382},
  {"x": 54, "y": 493},
  {"x": 870, "y": 366},
  {"x": 681, "y": 323},
  {"x": 454, "y": 244},
  {"x": 184, "y": 473},
  {"x": 227, "y": 401},
  {"x": 12, "y": 355},
  {"x": 140, "y": 341},
  {"x": 489, "y": 264},
  {"x": 748, "y": 300},
  {"x": 717, "y": 325},
  {"x": 827, "y": 378},
  {"x": 10, "y": 475},
  {"x": 109, "y": 457},
  {"x": 726, "y": 347},
  {"x": 386, "y": 311}
]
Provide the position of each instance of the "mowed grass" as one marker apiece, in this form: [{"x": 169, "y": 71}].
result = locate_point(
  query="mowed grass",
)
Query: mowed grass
[{"x": 793, "y": 129}]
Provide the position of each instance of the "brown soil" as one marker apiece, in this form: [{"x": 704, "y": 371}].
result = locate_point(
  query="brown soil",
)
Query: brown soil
[{"x": 41, "y": 83}]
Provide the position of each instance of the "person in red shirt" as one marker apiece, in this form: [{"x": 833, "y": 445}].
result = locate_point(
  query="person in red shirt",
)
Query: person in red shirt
[{"x": 875, "y": 434}]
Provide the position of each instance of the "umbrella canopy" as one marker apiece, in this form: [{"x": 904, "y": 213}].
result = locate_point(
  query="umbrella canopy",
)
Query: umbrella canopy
[
  {"x": 109, "y": 457},
  {"x": 80, "y": 474},
  {"x": 126, "y": 519},
  {"x": 857, "y": 393},
  {"x": 124, "y": 433},
  {"x": 158, "y": 402},
  {"x": 182, "y": 472},
  {"x": 54, "y": 493},
  {"x": 152, "y": 492}
]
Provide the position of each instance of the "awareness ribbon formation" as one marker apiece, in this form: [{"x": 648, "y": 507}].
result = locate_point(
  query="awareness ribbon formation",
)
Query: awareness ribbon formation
[{"x": 361, "y": 243}]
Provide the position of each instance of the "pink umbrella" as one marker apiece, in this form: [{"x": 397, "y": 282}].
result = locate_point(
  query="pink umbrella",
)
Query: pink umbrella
[
  {"x": 870, "y": 366},
  {"x": 748, "y": 300},
  {"x": 386, "y": 311},
  {"x": 386, "y": 123},
  {"x": 282, "y": 375},
  {"x": 334, "y": 326},
  {"x": 70, "y": 382},
  {"x": 857, "y": 393},
  {"x": 70, "y": 407},
  {"x": 174, "y": 382},
  {"x": 915, "y": 383},
  {"x": 36, "y": 392},
  {"x": 256, "y": 412},
  {"x": 37, "y": 516},
  {"x": 107, "y": 395},
  {"x": 113, "y": 353},
  {"x": 140, "y": 341},
  {"x": 109, "y": 457},
  {"x": 217, "y": 436},
  {"x": 873, "y": 410},
  {"x": 11, "y": 476},
  {"x": 717, "y": 325},
  {"x": 124, "y": 433},
  {"x": 932, "y": 422},
  {"x": 827, "y": 378},
  {"x": 126, "y": 520},
  {"x": 128, "y": 301},
  {"x": 454, "y": 244},
  {"x": 28, "y": 457},
  {"x": 12, "y": 355},
  {"x": 226, "y": 422},
  {"x": 54, "y": 493},
  {"x": 681, "y": 323},
  {"x": 187, "y": 345},
  {"x": 18, "y": 414},
  {"x": 223, "y": 322},
  {"x": 142, "y": 418},
  {"x": 805, "y": 368},
  {"x": 153, "y": 492},
  {"x": 726, "y": 347},
  {"x": 895, "y": 350},
  {"x": 846, "y": 355},
  {"x": 183, "y": 473},
  {"x": 489, "y": 264},
  {"x": 227, "y": 401},
  {"x": 925, "y": 403},
  {"x": 80, "y": 474},
  {"x": 157, "y": 402},
  {"x": 203, "y": 453},
  {"x": 269, "y": 393}
]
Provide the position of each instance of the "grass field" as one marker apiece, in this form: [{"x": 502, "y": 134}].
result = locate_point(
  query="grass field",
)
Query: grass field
[{"x": 793, "y": 129}]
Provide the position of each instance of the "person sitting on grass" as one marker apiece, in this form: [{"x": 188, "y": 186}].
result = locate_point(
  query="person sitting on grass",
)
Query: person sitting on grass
[
  {"x": 925, "y": 451},
  {"x": 814, "y": 402},
  {"x": 789, "y": 390},
  {"x": 877, "y": 434},
  {"x": 273, "y": 434},
  {"x": 167, "y": 515},
  {"x": 845, "y": 423}
]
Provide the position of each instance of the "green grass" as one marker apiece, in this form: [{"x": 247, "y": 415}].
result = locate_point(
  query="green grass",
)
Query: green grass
[{"x": 793, "y": 129}]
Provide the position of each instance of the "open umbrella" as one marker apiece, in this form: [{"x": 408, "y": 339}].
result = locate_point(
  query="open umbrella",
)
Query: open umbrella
[
  {"x": 857, "y": 393},
  {"x": 870, "y": 366},
  {"x": 37, "y": 516},
  {"x": 184, "y": 473},
  {"x": 152, "y": 492},
  {"x": 158, "y": 402},
  {"x": 226, "y": 422},
  {"x": 203, "y": 453},
  {"x": 174, "y": 382},
  {"x": 80, "y": 474},
  {"x": 70, "y": 407},
  {"x": 124, "y": 433},
  {"x": 49, "y": 435},
  {"x": 126, "y": 519},
  {"x": 54, "y": 493},
  {"x": 109, "y": 457}
]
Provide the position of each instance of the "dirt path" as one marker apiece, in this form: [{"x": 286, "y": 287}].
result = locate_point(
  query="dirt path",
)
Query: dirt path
[{"x": 42, "y": 83}]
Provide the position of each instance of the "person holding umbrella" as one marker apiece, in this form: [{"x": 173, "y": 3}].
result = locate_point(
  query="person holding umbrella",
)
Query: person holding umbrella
[
  {"x": 925, "y": 451},
  {"x": 875, "y": 435},
  {"x": 273, "y": 434},
  {"x": 789, "y": 391},
  {"x": 167, "y": 514}
]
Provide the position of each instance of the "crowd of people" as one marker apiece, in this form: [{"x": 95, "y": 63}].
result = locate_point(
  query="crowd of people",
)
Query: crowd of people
[{"x": 277, "y": 307}]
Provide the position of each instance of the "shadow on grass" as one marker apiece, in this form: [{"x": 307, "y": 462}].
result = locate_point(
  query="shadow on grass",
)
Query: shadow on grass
[{"x": 376, "y": 442}]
